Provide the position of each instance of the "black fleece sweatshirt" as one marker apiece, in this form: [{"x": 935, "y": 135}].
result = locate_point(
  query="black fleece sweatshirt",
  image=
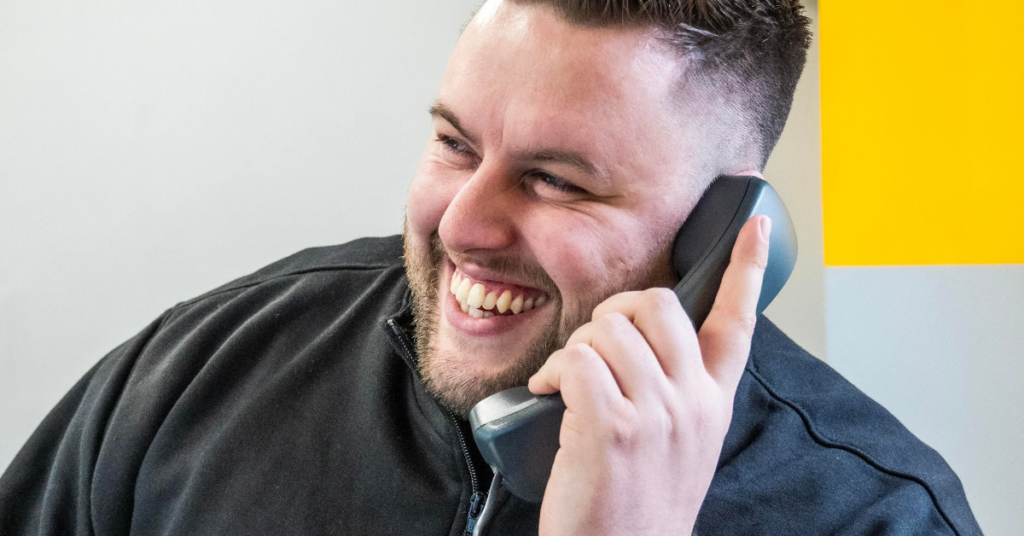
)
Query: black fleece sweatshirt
[{"x": 288, "y": 402}]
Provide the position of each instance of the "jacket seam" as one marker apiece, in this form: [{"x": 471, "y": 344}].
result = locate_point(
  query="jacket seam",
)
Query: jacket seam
[
  {"x": 113, "y": 408},
  {"x": 131, "y": 370},
  {"x": 821, "y": 439},
  {"x": 212, "y": 293}
]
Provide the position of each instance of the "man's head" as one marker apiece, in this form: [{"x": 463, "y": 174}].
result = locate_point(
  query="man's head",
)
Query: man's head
[{"x": 570, "y": 142}]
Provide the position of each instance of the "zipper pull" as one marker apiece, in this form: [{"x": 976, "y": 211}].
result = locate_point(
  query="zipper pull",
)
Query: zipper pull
[{"x": 476, "y": 505}]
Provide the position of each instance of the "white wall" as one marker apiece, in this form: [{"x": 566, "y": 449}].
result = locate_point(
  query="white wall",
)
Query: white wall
[{"x": 150, "y": 151}]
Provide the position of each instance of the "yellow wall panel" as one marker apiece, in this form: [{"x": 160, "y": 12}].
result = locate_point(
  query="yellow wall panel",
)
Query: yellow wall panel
[{"x": 922, "y": 132}]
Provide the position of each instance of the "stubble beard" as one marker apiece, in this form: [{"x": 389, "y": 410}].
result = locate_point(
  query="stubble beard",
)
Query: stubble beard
[{"x": 444, "y": 371}]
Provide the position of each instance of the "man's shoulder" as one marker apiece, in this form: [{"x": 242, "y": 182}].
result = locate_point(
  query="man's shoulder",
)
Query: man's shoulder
[
  {"x": 362, "y": 254},
  {"x": 834, "y": 411},
  {"x": 823, "y": 432}
]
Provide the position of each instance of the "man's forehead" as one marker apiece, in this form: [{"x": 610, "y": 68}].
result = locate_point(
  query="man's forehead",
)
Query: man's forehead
[
  {"x": 502, "y": 25},
  {"x": 524, "y": 67}
]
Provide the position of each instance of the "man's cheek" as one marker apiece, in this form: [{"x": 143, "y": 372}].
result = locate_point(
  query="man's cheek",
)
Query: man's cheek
[
  {"x": 577, "y": 269},
  {"x": 427, "y": 205}
]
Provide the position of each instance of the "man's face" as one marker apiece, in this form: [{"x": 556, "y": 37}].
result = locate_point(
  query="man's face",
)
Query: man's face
[{"x": 557, "y": 175}]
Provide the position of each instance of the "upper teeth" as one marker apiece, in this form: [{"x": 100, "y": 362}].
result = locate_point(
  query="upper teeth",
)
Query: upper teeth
[
  {"x": 476, "y": 296},
  {"x": 476, "y": 301}
]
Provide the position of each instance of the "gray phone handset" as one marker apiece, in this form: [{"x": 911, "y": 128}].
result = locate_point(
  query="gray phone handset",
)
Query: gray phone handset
[{"x": 517, "y": 431}]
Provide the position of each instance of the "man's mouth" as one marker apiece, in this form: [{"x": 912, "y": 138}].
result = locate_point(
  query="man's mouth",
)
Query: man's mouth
[{"x": 484, "y": 299}]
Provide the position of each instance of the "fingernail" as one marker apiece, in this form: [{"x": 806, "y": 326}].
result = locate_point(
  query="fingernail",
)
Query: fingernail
[{"x": 765, "y": 227}]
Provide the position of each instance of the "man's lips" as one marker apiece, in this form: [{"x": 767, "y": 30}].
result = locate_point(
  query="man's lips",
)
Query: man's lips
[
  {"x": 481, "y": 274},
  {"x": 481, "y": 301},
  {"x": 480, "y": 298}
]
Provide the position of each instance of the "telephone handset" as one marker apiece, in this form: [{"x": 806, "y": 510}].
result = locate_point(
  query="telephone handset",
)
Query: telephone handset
[{"x": 517, "y": 431}]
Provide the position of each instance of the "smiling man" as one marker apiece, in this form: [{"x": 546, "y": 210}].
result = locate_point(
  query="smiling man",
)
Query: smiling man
[
  {"x": 565, "y": 158},
  {"x": 326, "y": 393}
]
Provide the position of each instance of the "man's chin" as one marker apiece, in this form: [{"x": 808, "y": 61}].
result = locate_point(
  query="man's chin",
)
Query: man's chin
[
  {"x": 483, "y": 355},
  {"x": 460, "y": 372}
]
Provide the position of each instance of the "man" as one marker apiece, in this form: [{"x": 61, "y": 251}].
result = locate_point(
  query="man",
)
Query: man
[{"x": 326, "y": 393}]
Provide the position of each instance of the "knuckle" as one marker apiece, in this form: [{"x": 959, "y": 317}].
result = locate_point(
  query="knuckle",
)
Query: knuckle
[
  {"x": 581, "y": 357},
  {"x": 613, "y": 323},
  {"x": 574, "y": 352},
  {"x": 675, "y": 414},
  {"x": 609, "y": 304},
  {"x": 728, "y": 323},
  {"x": 758, "y": 263},
  {"x": 661, "y": 298},
  {"x": 666, "y": 423},
  {"x": 579, "y": 332},
  {"x": 624, "y": 431},
  {"x": 747, "y": 322}
]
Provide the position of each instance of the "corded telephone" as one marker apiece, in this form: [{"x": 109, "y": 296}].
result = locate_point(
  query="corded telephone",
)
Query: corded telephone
[{"x": 517, "y": 431}]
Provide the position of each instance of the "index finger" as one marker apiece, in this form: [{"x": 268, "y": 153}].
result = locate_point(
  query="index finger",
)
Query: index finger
[{"x": 726, "y": 333}]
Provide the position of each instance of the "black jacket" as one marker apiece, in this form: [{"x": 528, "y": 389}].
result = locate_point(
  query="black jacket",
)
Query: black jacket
[{"x": 287, "y": 402}]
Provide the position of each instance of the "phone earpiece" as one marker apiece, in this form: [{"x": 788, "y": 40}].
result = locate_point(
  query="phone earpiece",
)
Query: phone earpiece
[{"x": 704, "y": 244}]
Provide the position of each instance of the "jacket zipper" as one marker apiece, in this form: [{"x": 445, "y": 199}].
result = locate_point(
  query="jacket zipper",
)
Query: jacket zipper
[
  {"x": 476, "y": 506},
  {"x": 477, "y": 499}
]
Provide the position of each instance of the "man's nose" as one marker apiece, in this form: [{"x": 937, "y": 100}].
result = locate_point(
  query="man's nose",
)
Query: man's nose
[{"x": 481, "y": 215}]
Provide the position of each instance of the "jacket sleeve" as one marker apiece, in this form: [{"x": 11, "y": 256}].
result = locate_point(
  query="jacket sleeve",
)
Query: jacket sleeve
[{"x": 48, "y": 488}]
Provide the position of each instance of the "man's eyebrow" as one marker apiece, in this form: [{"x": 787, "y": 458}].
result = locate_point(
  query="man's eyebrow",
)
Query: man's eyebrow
[
  {"x": 440, "y": 111},
  {"x": 561, "y": 156}
]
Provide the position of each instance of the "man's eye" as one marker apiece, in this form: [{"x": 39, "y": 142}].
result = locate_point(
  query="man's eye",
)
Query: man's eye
[
  {"x": 453, "y": 144},
  {"x": 557, "y": 183}
]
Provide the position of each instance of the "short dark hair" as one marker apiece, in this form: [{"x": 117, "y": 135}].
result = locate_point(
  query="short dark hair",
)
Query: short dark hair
[{"x": 745, "y": 54}]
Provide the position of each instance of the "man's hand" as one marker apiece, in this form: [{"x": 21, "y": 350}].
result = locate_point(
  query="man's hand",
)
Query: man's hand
[{"x": 648, "y": 403}]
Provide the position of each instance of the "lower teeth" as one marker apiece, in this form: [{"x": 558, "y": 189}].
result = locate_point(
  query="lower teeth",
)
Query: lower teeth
[{"x": 476, "y": 312}]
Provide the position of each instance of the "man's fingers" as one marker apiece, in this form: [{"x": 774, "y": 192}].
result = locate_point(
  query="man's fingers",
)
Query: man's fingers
[
  {"x": 660, "y": 318},
  {"x": 584, "y": 379},
  {"x": 726, "y": 333},
  {"x": 626, "y": 352}
]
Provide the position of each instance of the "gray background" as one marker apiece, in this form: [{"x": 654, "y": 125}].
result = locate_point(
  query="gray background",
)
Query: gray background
[{"x": 151, "y": 152}]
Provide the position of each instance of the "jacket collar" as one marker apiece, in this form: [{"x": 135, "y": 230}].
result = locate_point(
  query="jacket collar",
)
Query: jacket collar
[{"x": 399, "y": 329}]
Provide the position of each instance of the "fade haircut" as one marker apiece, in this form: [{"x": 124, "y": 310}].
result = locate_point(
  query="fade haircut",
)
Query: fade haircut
[{"x": 743, "y": 59}]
